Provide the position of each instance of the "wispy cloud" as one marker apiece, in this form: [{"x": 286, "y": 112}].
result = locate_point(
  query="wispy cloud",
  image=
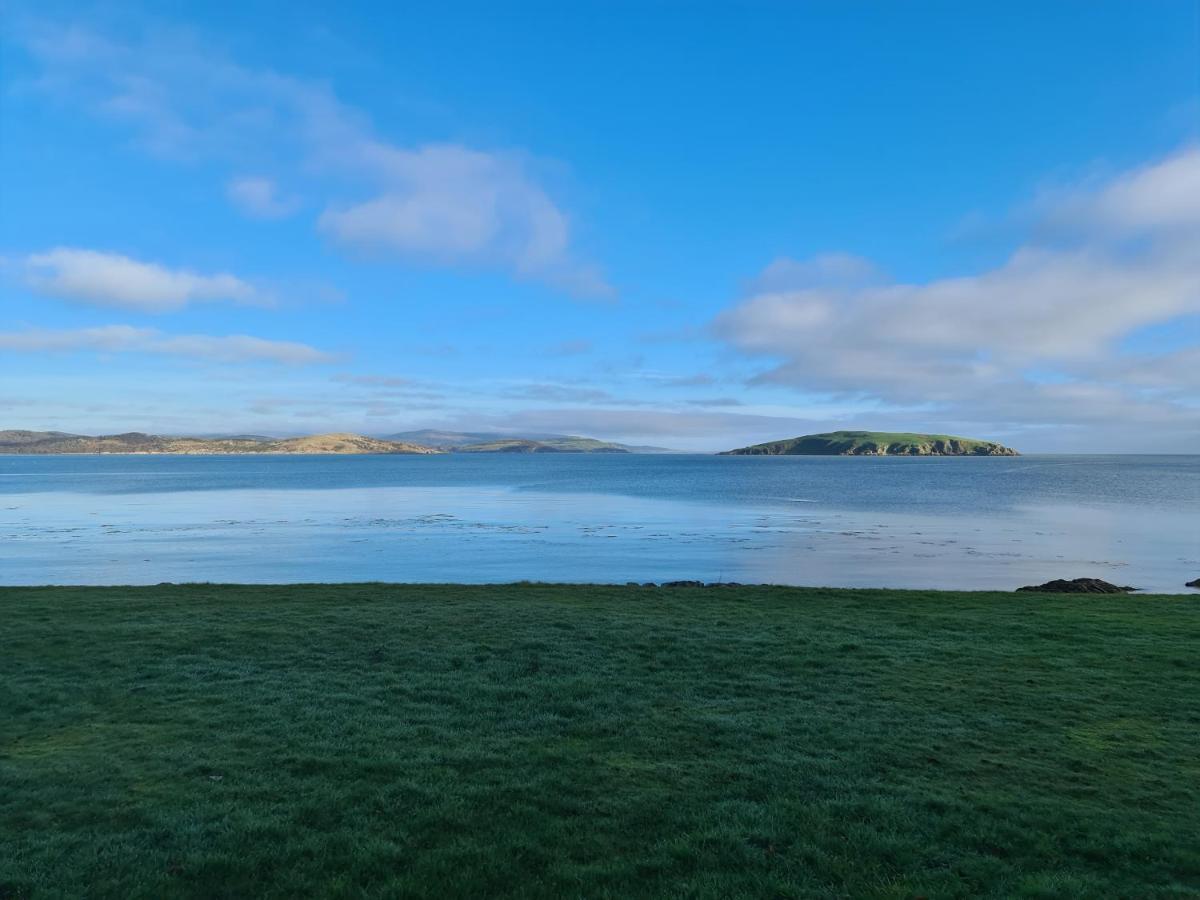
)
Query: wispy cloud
[
  {"x": 234, "y": 348},
  {"x": 700, "y": 379},
  {"x": 715, "y": 401},
  {"x": 375, "y": 381},
  {"x": 440, "y": 203},
  {"x": 576, "y": 347},
  {"x": 450, "y": 204},
  {"x": 550, "y": 392},
  {"x": 110, "y": 279},
  {"x": 1105, "y": 262},
  {"x": 260, "y": 197}
]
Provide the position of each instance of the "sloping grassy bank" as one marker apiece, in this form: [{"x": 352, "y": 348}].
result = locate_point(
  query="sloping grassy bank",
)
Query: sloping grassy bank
[{"x": 378, "y": 741}]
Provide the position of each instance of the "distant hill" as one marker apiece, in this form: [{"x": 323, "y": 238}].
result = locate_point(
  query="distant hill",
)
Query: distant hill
[
  {"x": 494, "y": 442},
  {"x": 562, "y": 445},
  {"x": 343, "y": 443},
  {"x": 432, "y": 437},
  {"x": 17, "y": 437},
  {"x": 875, "y": 443},
  {"x": 54, "y": 442},
  {"x": 427, "y": 441}
]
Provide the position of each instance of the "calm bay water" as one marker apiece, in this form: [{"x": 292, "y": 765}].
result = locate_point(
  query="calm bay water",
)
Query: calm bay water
[{"x": 969, "y": 523}]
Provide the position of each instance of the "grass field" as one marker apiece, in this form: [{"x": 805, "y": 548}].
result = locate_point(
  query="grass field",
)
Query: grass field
[{"x": 529, "y": 740}]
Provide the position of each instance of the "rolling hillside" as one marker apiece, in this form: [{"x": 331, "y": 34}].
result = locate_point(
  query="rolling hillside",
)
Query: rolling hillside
[{"x": 52, "y": 442}]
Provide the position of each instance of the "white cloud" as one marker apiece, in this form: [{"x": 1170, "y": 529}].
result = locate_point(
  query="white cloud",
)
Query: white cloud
[
  {"x": 233, "y": 348},
  {"x": 437, "y": 203},
  {"x": 109, "y": 279},
  {"x": 449, "y": 204},
  {"x": 827, "y": 270},
  {"x": 259, "y": 197},
  {"x": 1155, "y": 197},
  {"x": 446, "y": 201},
  {"x": 970, "y": 346},
  {"x": 1040, "y": 306}
]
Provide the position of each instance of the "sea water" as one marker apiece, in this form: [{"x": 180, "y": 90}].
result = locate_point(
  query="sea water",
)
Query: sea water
[{"x": 949, "y": 522}]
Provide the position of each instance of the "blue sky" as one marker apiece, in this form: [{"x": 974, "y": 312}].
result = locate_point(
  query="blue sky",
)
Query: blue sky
[{"x": 696, "y": 225}]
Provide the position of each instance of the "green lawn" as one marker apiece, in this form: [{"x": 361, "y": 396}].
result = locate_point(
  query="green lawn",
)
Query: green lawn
[{"x": 530, "y": 740}]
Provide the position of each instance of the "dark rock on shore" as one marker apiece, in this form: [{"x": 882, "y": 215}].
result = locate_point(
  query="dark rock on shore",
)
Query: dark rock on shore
[
  {"x": 1195, "y": 584},
  {"x": 674, "y": 584},
  {"x": 1077, "y": 586}
]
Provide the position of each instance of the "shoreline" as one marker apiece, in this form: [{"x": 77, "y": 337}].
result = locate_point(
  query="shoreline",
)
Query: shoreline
[{"x": 640, "y": 590}]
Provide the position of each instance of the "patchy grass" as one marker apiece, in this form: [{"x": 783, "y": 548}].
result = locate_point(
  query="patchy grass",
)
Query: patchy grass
[{"x": 535, "y": 740}]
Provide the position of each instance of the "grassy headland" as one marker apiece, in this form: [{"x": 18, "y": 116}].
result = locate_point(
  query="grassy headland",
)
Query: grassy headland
[{"x": 377, "y": 740}]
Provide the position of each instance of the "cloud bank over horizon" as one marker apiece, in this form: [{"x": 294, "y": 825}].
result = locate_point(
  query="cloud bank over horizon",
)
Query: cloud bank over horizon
[{"x": 1037, "y": 340}]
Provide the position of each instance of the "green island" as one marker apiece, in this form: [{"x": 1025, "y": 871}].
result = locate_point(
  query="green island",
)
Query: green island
[
  {"x": 875, "y": 443},
  {"x": 610, "y": 741}
]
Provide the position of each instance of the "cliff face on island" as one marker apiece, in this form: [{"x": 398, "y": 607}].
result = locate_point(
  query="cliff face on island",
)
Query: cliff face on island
[{"x": 875, "y": 443}]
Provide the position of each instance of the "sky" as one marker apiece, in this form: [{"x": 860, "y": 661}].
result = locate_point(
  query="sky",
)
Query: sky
[{"x": 696, "y": 225}]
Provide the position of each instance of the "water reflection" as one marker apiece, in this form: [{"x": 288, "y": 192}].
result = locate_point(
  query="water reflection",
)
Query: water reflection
[{"x": 486, "y": 534}]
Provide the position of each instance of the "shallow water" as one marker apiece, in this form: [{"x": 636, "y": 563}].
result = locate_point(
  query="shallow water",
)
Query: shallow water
[{"x": 968, "y": 523}]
